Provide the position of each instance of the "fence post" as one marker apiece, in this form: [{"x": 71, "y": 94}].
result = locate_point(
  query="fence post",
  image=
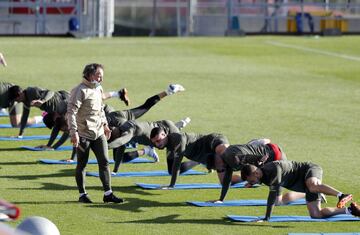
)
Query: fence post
[{"x": 153, "y": 20}]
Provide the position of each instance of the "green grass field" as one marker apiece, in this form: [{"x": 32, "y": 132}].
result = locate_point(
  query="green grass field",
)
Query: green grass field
[{"x": 302, "y": 92}]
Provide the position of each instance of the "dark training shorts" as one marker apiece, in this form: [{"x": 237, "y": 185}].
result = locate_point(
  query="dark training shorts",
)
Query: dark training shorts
[{"x": 217, "y": 140}]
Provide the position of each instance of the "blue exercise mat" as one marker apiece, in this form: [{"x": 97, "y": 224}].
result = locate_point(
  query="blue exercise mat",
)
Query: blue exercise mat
[
  {"x": 324, "y": 233},
  {"x": 191, "y": 186},
  {"x": 61, "y": 148},
  {"x": 147, "y": 173},
  {"x": 93, "y": 161},
  {"x": 293, "y": 218},
  {"x": 242, "y": 203},
  {"x": 33, "y": 137},
  {"x": 39, "y": 125}
]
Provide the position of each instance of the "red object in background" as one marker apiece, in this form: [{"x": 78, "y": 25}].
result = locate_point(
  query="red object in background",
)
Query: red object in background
[
  {"x": 9, "y": 209},
  {"x": 49, "y": 10}
]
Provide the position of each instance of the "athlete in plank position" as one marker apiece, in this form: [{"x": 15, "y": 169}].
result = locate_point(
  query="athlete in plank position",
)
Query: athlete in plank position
[{"x": 300, "y": 177}]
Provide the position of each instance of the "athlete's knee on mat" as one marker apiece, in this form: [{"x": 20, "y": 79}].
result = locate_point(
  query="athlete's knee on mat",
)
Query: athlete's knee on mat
[{"x": 315, "y": 214}]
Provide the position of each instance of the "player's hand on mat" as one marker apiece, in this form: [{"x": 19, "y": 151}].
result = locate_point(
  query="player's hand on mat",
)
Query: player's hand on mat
[
  {"x": 265, "y": 219},
  {"x": 215, "y": 201},
  {"x": 37, "y": 103},
  {"x": 262, "y": 220},
  {"x": 45, "y": 147},
  {"x": 259, "y": 221},
  {"x": 248, "y": 185},
  {"x": 166, "y": 187}
]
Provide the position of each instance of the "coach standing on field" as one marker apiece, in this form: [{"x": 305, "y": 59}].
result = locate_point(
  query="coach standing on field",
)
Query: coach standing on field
[{"x": 89, "y": 129}]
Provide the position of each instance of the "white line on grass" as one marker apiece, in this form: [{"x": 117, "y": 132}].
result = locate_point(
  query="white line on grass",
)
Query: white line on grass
[{"x": 348, "y": 57}]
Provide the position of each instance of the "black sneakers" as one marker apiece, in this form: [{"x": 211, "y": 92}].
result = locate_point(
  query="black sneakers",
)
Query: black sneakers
[
  {"x": 84, "y": 199},
  {"x": 343, "y": 199},
  {"x": 112, "y": 198},
  {"x": 355, "y": 209},
  {"x": 123, "y": 95}
]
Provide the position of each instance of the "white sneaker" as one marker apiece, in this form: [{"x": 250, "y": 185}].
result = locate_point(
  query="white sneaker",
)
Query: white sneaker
[
  {"x": 183, "y": 123},
  {"x": 151, "y": 153},
  {"x": 174, "y": 88},
  {"x": 186, "y": 121}
]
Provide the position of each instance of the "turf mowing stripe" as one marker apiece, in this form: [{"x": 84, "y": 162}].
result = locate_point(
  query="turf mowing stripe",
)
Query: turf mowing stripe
[{"x": 348, "y": 57}]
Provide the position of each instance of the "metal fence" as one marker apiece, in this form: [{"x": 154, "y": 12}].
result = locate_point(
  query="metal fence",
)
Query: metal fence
[
  {"x": 178, "y": 17},
  {"x": 276, "y": 16},
  {"x": 218, "y": 17},
  {"x": 53, "y": 17}
]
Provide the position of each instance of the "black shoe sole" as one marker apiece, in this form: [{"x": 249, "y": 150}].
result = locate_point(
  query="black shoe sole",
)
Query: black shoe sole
[{"x": 113, "y": 201}]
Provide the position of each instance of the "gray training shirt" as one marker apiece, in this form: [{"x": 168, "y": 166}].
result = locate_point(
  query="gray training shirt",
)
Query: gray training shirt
[
  {"x": 289, "y": 174},
  {"x": 196, "y": 147}
]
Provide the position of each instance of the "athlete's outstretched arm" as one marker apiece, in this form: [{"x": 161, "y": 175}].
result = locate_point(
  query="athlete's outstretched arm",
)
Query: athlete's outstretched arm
[
  {"x": 24, "y": 119},
  {"x": 175, "y": 170},
  {"x": 226, "y": 183},
  {"x": 274, "y": 191}
]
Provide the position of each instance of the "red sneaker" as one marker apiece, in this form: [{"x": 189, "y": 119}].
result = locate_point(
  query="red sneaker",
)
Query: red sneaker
[{"x": 343, "y": 199}]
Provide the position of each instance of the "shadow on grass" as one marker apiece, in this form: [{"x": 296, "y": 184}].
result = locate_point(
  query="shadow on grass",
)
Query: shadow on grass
[
  {"x": 19, "y": 203},
  {"x": 130, "y": 205},
  {"x": 18, "y": 163},
  {"x": 52, "y": 186},
  {"x": 62, "y": 173},
  {"x": 117, "y": 190},
  {"x": 133, "y": 190},
  {"x": 135, "y": 205},
  {"x": 172, "y": 219},
  {"x": 13, "y": 149}
]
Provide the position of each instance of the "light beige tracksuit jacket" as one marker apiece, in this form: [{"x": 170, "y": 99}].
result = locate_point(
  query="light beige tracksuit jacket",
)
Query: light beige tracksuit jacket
[{"x": 85, "y": 112}]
